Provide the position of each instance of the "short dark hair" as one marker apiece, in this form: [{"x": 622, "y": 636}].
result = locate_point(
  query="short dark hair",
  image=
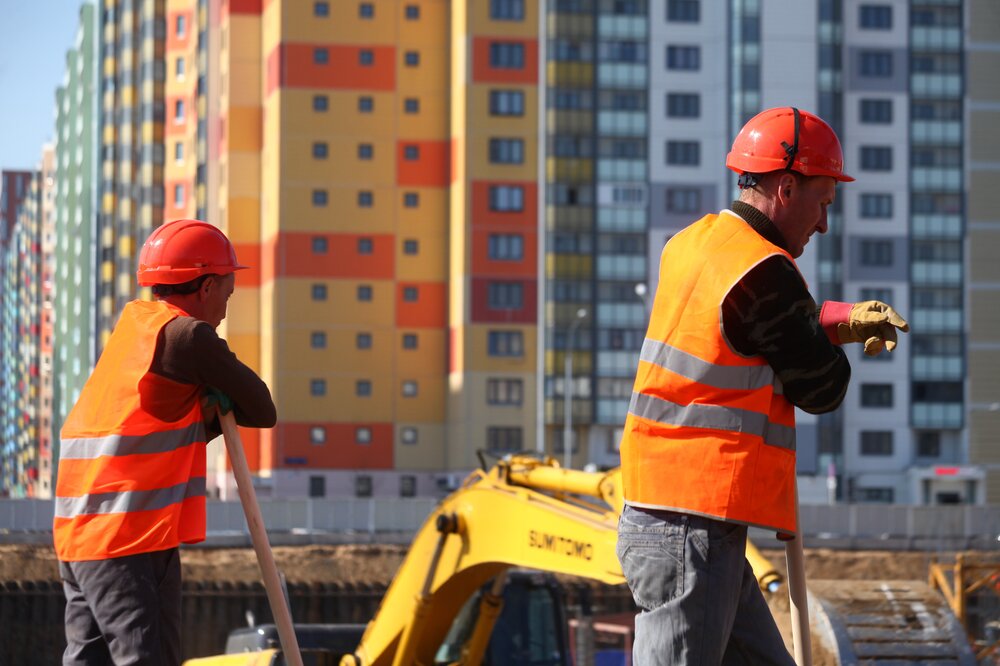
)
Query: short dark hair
[{"x": 184, "y": 288}]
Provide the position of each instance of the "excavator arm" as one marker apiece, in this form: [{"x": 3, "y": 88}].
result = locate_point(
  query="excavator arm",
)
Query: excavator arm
[{"x": 524, "y": 512}]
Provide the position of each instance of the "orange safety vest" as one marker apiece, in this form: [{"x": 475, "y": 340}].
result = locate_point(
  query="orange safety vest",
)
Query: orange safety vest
[
  {"x": 708, "y": 430},
  {"x": 132, "y": 452}
]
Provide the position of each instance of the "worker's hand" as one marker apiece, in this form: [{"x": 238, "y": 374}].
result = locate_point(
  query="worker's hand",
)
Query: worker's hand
[
  {"x": 213, "y": 397},
  {"x": 874, "y": 323}
]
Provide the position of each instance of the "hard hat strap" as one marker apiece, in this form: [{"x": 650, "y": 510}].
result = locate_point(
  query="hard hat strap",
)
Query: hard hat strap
[{"x": 793, "y": 150}]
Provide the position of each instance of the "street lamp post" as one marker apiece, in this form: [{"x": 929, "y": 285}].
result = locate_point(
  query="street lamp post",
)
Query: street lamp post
[{"x": 568, "y": 390}]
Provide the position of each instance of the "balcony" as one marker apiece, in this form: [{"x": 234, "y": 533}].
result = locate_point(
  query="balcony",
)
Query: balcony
[
  {"x": 937, "y": 226},
  {"x": 938, "y": 368},
  {"x": 937, "y": 321},
  {"x": 936, "y": 415}
]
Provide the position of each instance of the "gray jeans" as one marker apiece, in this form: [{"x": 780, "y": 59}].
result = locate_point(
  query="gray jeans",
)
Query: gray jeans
[
  {"x": 126, "y": 610},
  {"x": 700, "y": 601}
]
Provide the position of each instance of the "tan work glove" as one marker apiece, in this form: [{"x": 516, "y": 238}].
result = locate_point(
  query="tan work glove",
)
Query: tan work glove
[{"x": 874, "y": 323}]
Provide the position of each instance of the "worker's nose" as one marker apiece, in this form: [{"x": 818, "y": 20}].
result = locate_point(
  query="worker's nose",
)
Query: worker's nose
[{"x": 823, "y": 226}]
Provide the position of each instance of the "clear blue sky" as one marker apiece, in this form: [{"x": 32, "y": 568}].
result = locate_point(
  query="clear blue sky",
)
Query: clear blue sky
[{"x": 34, "y": 38}]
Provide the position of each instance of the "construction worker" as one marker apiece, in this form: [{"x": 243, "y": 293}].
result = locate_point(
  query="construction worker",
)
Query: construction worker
[
  {"x": 131, "y": 481},
  {"x": 735, "y": 343}
]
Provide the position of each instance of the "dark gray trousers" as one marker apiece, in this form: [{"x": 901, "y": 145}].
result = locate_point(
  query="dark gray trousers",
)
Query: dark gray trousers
[{"x": 123, "y": 611}]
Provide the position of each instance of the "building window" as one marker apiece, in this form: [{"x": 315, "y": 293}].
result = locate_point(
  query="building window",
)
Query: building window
[
  {"x": 683, "y": 11},
  {"x": 505, "y": 295},
  {"x": 876, "y": 294},
  {"x": 317, "y": 340},
  {"x": 876, "y": 442},
  {"x": 321, "y": 103},
  {"x": 506, "y": 343},
  {"x": 363, "y": 341},
  {"x": 366, "y": 246},
  {"x": 507, "y": 10},
  {"x": 501, "y": 439},
  {"x": 321, "y": 9},
  {"x": 179, "y": 111},
  {"x": 506, "y": 247},
  {"x": 365, "y": 151},
  {"x": 407, "y": 485},
  {"x": 875, "y": 17},
  {"x": 364, "y": 292},
  {"x": 366, "y": 58},
  {"x": 317, "y": 486},
  {"x": 876, "y": 111},
  {"x": 362, "y": 435},
  {"x": 412, "y": 12},
  {"x": 411, "y": 58},
  {"x": 408, "y": 435},
  {"x": 320, "y": 150},
  {"x": 180, "y": 27},
  {"x": 683, "y": 153},
  {"x": 504, "y": 391},
  {"x": 321, "y": 56},
  {"x": 179, "y": 67},
  {"x": 684, "y": 57},
  {"x": 362, "y": 486},
  {"x": 683, "y": 105},
  {"x": 506, "y": 151},
  {"x": 178, "y": 196},
  {"x": 880, "y": 495},
  {"x": 411, "y": 153},
  {"x": 317, "y": 387},
  {"x": 929, "y": 444},
  {"x": 366, "y": 10},
  {"x": 876, "y": 63},
  {"x": 876, "y": 252},
  {"x": 363, "y": 388},
  {"x": 504, "y": 55},
  {"x": 410, "y": 246},
  {"x": 317, "y": 435},
  {"x": 876, "y": 395},
  {"x": 411, "y": 199},
  {"x": 366, "y": 104},
  {"x": 410, "y": 341},
  {"x": 876, "y": 158},
  {"x": 410, "y": 388},
  {"x": 179, "y": 151},
  {"x": 411, "y": 105},
  {"x": 506, "y": 198},
  {"x": 411, "y": 294},
  {"x": 319, "y": 197},
  {"x": 683, "y": 199},
  {"x": 319, "y": 292},
  {"x": 366, "y": 199},
  {"x": 506, "y": 103},
  {"x": 876, "y": 205}
]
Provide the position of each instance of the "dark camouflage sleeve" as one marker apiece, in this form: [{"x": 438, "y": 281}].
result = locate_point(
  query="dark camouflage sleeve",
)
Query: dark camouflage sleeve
[{"x": 770, "y": 313}]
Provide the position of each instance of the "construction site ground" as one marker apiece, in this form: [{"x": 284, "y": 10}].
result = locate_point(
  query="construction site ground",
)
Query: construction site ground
[{"x": 376, "y": 565}]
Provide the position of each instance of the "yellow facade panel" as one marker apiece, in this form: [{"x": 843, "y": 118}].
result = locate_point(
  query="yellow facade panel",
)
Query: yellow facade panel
[
  {"x": 429, "y": 358},
  {"x": 245, "y": 128},
  {"x": 341, "y": 355},
  {"x": 295, "y": 306},
  {"x": 481, "y": 167},
  {"x": 430, "y": 263},
  {"x": 244, "y": 309},
  {"x": 429, "y": 402},
  {"x": 342, "y": 165},
  {"x": 340, "y": 403},
  {"x": 341, "y": 212},
  {"x": 246, "y": 347},
  {"x": 480, "y": 22},
  {"x": 244, "y": 175},
  {"x": 428, "y": 451},
  {"x": 431, "y": 123},
  {"x": 480, "y": 360},
  {"x": 243, "y": 219}
]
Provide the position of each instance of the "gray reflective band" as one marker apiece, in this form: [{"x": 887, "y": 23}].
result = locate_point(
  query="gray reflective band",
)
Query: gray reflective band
[
  {"x": 129, "y": 501},
  {"x": 88, "y": 448},
  {"x": 720, "y": 376},
  {"x": 716, "y": 417}
]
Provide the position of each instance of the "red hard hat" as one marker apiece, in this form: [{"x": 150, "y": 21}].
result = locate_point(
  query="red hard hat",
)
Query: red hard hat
[
  {"x": 183, "y": 250},
  {"x": 787, "y": 138}
]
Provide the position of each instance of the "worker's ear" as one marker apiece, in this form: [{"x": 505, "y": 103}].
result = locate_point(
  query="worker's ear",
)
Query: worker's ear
[
  {"x": 787, "y": 187},
  {"x": 206, "y": 286}
]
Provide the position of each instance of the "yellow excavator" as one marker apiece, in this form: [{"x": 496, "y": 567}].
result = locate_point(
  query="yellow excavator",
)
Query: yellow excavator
[{"x": 524, "y": 512}]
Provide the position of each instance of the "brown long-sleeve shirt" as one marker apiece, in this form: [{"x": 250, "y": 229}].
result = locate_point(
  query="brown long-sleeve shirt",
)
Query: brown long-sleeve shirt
[{"x": 189, "y": 351}]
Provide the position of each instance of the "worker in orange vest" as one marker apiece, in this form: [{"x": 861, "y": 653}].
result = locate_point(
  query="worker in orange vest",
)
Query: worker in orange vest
[
  {"x": 131, "y": 476},
  {"x": 735, "y": 343}
]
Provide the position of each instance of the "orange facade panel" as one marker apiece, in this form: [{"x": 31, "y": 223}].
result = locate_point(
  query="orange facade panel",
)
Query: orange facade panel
[
  {"x": 339, "y": 451},
  {"x": 345, "y": 255},
  {"x": 248, "y": 254},
  {"x": 331, "y": 66},
  {"x": 483, "y": 212},
  {"x": 421, "y": 304},
  {"x": 423, "y": 163},
  {"x": 178, "y": 40},
  {"x": 507, "y": 67}
]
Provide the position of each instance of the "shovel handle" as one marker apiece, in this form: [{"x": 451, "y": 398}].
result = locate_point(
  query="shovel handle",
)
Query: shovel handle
[
  {"x": 258, "y": 535},
  {"x": 797, "y": 593}
]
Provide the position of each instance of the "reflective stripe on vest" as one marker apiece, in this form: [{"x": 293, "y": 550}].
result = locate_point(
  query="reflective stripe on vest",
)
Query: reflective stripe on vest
[
  {"x": 131, "y": 474},
  {"x": 131, "y": 500},
  {"x": 708, "y": 430}
]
